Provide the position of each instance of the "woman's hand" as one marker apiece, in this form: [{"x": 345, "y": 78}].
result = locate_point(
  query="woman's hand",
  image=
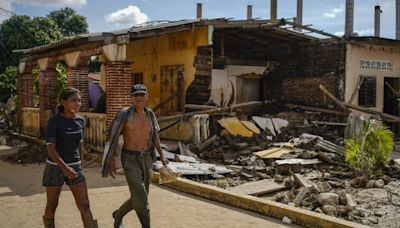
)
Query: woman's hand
[{"x": 70, "y": 173}]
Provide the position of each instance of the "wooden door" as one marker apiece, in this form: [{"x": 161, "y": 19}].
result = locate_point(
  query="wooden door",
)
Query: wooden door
[{"x": 169, "y": 83}]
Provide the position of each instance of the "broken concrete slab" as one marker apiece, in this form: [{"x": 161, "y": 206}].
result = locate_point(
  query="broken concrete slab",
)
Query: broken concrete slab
[
  {"x": 183, "y": 158},
  {"x": 168, "y": 155},
  {"x": 272, "y": 124},
  {"x": 186, "y": 168},
  {"x": 322, "y": 187},
  {"x": 302, "y": 181},
  {"x": 328, "y": 198},
  {"x": 258, "y": 187},
  {"x": 275, "y": 152},
  {"x": 299, "y": 161}
]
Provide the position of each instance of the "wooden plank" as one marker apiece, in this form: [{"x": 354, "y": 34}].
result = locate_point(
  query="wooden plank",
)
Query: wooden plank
[
  {"x": 199, "y": 107},
  {"x": 323, "y": 110},
  {"x": 184, "y": 150},
  {"x": 302, "y": 181},
  {"x": 258, "y": 187},
  {"x": 275, "y": 152},
  {"x": 210, "y": 111},
  {"x": 333, "y": 98},
  {"x": 206, "y": 143},
  {"x": 295, "y": 161},
  {"x": 385, "y": 116}
]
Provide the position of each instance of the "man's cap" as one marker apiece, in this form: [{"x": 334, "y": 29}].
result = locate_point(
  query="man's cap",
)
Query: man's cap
[{"x": 138, "y": 88}]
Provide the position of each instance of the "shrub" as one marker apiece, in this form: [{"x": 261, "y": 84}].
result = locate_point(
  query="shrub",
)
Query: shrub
[{"x": 371, "y": 149}]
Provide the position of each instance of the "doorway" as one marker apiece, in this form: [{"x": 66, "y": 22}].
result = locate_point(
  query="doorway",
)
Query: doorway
[{"x": 391, "y": 100}]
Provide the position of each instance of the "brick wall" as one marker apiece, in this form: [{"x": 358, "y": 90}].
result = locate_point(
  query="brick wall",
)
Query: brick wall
[
  {"x": 302, "y": 69},
  {"x": 25, "y": 90},
  {"x": 47, "y": 96},
  {"x": 118, "y": 87},
  {"x": 77, "y": 77}
]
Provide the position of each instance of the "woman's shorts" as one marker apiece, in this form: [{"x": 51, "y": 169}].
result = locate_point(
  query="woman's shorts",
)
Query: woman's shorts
[{"x": 53, "y": 176}]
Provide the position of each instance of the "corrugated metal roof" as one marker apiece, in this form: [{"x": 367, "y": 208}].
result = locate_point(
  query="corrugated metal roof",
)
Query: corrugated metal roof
[{"x": 157, "y": 25}]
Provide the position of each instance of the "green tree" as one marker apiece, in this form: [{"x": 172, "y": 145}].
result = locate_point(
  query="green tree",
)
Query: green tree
[
  {"x": 20, "y": 32},
  {"x": 8, "y": 83},
  {"x": 69, "y": 22}
]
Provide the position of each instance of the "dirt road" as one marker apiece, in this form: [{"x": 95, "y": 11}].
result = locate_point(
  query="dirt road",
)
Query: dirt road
[{"x": 22, "y": 201}]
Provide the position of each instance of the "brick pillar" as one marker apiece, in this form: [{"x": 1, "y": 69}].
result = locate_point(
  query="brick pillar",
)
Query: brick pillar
[
  {"x": 47, "y": 96},
  {"x": 118, "y": 87},
  {"x": 25, "y": 91},
  {"x": 77, "y": 77}
]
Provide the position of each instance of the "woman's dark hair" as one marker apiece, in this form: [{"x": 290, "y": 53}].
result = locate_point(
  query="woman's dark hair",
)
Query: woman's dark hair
[{"x": 64, "y": 95}]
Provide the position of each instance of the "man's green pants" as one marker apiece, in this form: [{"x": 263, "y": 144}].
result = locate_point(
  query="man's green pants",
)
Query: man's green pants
[{"x": 138, "y": 170}]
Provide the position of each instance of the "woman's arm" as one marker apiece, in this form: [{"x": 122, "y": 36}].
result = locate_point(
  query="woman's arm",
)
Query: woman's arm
[{"x": 81, "y": 150}]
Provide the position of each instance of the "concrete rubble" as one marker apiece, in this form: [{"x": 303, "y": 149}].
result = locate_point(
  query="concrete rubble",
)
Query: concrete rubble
[{"x": 301, "y": 164}]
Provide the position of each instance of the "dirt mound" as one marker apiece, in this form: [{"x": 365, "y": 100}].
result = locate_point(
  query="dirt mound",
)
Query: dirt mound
[{"x": 29, "y": 154}]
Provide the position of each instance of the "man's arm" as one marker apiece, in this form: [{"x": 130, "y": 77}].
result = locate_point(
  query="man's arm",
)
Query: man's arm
[{"x": 160, "y": 152}]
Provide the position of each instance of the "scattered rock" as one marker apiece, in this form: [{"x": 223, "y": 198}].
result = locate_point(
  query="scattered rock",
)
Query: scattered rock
[
  {"x": 300, "y": 196},
  {"x": 363, "y": 212},
  {"x": 379, "y": 183},
  {"x": 319, "y": 210},
  {"x": 329, "y": 210},
  {"x": 241, "y": 146},
  {"x": 370, "y": 184},
  {"x": 373, "y": 220},
  {"x": 279, "y": 178},
  {"x": 350, "y": 202},
  {"x": 288, "y": 181},
  {"x": 286, "y": 220},
  {"x": 322, "y": 187},
  {"x": 328, "y": 198},
  {"x": 342, "y": 210},
  {"x": 342, "y": 197}
]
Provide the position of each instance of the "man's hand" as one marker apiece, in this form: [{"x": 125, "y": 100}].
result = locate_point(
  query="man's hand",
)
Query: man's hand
[
  {"x": 113, "y": 169},
  {"x": 164, "y": 161},
  {"x": 70, "y": 173}
]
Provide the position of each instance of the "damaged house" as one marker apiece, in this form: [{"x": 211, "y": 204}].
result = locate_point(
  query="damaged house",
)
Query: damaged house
[{"x": 212, "y": 62}]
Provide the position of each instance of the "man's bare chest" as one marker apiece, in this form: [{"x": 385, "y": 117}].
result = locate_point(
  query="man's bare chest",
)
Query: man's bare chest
[{"x": 138, "y": 123}]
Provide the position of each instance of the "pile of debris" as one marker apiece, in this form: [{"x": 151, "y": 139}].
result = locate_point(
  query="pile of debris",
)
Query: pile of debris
[
  {"x": 300, "y": 164},
  {"x": 32, "y": 153}
]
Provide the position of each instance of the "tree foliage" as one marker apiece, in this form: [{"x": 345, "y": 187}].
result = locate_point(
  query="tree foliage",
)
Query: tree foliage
[
  {"x": 8, "y": 83},
  {"x": 20, "y": 32},
  {"x": 69, "y": 22},
  {"x": 371, "y": 149}
]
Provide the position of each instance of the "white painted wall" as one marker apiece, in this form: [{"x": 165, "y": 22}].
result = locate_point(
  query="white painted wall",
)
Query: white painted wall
[
  {"x": 355, "y": 53},
  {"x": 228, "y": 82}
]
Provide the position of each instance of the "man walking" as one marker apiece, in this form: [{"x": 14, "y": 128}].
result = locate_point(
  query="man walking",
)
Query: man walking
[{"x": 139, "y": 128}]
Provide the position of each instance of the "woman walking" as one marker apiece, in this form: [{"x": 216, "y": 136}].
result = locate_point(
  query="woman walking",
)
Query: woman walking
[{"x": 64, "y": 146}]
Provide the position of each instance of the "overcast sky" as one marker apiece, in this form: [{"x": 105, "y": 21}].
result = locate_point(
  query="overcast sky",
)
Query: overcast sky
[{"x": 107, "y": 15}]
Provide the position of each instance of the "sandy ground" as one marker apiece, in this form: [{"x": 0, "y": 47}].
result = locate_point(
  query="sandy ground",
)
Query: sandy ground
[{"x": 22, "y": 201}]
